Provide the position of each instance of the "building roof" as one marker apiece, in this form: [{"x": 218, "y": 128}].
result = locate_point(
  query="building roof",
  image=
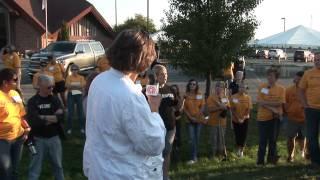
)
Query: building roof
[
  {"x": 299, "y": 36},
  {"x": 69, "y": 11}
]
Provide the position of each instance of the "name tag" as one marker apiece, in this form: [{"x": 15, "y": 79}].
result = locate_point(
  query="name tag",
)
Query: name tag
[
  {"x": 17, "y": 99},
  {"x": 75, "y": 92},
  {"x": 75, "y": 83},
  {"x": 224, "y": 100},
  {"x": 265, "y": 91},
  {"x": 235, "y": 100},
  {"x": 199, "y": 97},
  {"x": 51, "y": 68},
  {"x": 11, "y": 57}
]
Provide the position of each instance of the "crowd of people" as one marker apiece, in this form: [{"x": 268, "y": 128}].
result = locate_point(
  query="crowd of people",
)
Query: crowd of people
[{"x": 128, "y": 129}]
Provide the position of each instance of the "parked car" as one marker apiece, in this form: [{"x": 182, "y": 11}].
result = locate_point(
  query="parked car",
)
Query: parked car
[
  {"x": 277, "y": 54},
  {"x": 303, "y": 55},
  {"x": 82, "y": 53},
  {"x": 262, "y": 54}
]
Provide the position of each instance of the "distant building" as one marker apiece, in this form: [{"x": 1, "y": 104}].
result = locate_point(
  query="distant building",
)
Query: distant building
[{"x": 22, "y": 23}]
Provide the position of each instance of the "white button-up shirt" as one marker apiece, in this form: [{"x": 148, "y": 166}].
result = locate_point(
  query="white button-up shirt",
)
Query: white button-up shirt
[{"x": 124, "y": 139}]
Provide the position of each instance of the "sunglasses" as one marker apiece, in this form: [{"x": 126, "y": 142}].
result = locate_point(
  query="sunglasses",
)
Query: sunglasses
[{"x": 193, "y": 84}]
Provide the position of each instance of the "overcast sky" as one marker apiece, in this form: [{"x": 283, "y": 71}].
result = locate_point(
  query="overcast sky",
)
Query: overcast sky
[{"x": 269, "y": 13}]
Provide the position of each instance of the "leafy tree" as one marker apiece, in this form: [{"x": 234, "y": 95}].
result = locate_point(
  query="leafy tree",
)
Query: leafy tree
[
  {"x": 64, "y": 33},
  {"x": 138, "y": 22},
  {"x": 204, "y": 36}
]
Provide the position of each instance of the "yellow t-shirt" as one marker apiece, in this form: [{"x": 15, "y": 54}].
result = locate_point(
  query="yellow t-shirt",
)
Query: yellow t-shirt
[
  {"x": 277, "y": 93},
  {"x": 311, "y": 83},
  {"x": 75, "y": 80},
  {"x": 36, "y": 77},
  {"x": 295, "y": 110},
  {"x": 57, "y": 70},
  {"x": 11, "y": 112},
  {"x": 193, "y": 105},
  {"x": 242, "y": 104},
  {"x": 11, "y": 61},
  {"x": 103, "y": 64},
  {"x": 215, "y": 118}
]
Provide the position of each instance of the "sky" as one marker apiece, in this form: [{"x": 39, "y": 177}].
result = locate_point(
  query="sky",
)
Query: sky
[{"x": 268, "y": 13}]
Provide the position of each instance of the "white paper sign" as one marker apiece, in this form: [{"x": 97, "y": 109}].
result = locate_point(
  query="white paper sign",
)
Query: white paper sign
[
  {"x": 17, "y": 99},
  {"x": 234, "y": 100},
  {"x": 199, "y": 97},
  {"x": 224, "y": 100},
  {"x": 152, "y": 90},
  {"x": 51, "y": 68},
  {"x": 265, "y": 91},
  {"x": 75, "y": 92}
]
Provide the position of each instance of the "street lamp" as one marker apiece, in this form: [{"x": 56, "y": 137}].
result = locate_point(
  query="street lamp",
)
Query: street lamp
[
  {"x": 116, "y": 12},
  {"x": 284, "y": 24}
]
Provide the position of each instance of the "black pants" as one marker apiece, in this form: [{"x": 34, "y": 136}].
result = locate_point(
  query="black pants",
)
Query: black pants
[{"x": 240, "y": 132}]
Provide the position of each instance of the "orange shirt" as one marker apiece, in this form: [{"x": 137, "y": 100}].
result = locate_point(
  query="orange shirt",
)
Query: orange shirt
[
  {"x": 242, "y": 105},
  {"x": 103, "y": 64},
  {"x": 36, "y": 77},
  {"x": 77, "y": 80},
  {"x": 11, "y": 112},
  {"x": 295, "y": 110},
  {"x": 11, "y": 61},
  {"x": 310, "y": 82},
  {"x": 276, "y": 93},
  {"x": 57, "y": 70},
  {"x": 193, "y": 104},
  {"x": 215, "y": 119}
]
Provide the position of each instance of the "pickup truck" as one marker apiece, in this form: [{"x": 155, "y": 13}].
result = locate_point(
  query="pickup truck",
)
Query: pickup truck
[{"x": 82, "y": 53}]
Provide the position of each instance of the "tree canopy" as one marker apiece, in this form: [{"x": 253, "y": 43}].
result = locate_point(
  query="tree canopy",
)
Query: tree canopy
[
  {"x": 64, "y": 33},
  {"x": 138, "y": 22},
  {"x": 204, "y": 36}
]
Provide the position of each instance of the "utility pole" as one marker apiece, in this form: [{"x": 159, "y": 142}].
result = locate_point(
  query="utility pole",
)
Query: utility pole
[
  {"x": 116, "y": 13},
  {"x": 148, "y": 15}
]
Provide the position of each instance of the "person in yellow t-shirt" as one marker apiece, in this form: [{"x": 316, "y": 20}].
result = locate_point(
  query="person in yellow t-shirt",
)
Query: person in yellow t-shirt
[
  {"x": 241, "y": 106},
  {"x": 309, "y": 90},
  {"x": 12, "y": 61},
  {"x": 58, "y": 73},
  {"x": 75, "y": 84},
  {"x": 193, "y": 105},
  {"x": 42, "y": 71},
  {"x": 270, "y": 100},
  {"x": 12, "y": 130},
  {"x": 218, "y": 106},
  {"x": 103, "y": 64},
  {"x": 296, "y": 123}
]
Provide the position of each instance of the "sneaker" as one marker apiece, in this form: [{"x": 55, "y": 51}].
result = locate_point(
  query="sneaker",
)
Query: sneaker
[
  {"x": 82, "y": 131},
  {"x": 289, "y": 159},
  {"x": 69, "y": 132},
  {"x": 191, "y": 162}
]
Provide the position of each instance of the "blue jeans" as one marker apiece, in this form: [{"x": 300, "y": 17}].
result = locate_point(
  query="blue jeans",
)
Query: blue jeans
[
  {"x": 194, "y": 132},
  {"x": 75, "y": 100},
  {"x": 52, "y": 148},
  {"x": 313, "y": 118},
  {"x": 10, "y": 155},
  {"x": 267, "y": 136}
]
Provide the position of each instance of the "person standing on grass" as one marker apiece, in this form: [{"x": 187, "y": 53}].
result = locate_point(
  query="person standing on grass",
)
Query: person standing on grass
[
  {"x": 125, "y": 136},
  {"x": 58, "y": 73},
  {"x": 45, "y": 114},
  {"x": 166, "y": 111},
  {"x": 35, "y": 78},
  {"x": 309, "y": 88},
  {"x": 234, "y": 85},
  {"x": 270, "y": 100},
  {"x": 12, "y": 131},
  {"x": 241, "y": 105},
  {"x": 218, "y": 106},
  {"x": 194, "y": 102},
  {"x": 296, "y": 123},
  {"x": 12, "y": 61},
  {"x": 75, "y": 84}
]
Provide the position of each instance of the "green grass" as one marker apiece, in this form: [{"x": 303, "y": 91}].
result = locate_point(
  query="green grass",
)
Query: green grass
[{"x": 205, "y": 168}]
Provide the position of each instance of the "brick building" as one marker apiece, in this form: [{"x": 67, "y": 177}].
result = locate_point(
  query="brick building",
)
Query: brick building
[{"x": 22, "y": 23}]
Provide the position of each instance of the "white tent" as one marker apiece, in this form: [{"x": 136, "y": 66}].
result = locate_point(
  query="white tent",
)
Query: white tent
[{"x": 297, "y": 37}]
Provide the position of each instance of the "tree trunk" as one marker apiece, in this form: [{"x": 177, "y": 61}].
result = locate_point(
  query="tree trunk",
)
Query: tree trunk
[{"x": 208, "y": 84}]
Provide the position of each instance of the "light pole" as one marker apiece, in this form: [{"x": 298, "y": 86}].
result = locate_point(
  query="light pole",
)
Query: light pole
[
  {"x": 148, "y": 15},
  {"x": 284, "y": 24},
  {"x": 116, "y": 12}
]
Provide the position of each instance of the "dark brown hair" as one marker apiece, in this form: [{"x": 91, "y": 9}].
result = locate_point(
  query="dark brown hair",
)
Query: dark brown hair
[
  {"x": 188, "y": 86},
  {"x": 132, "y": 51},
  {"x": 6, "y": 74}
]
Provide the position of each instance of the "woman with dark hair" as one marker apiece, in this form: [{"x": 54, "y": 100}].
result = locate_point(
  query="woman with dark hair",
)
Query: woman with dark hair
[
  {"x": 125, "y": 136},
  {"x": 194, "y": 102},
  {"x": 178, "y": 112},
  {"x": 13, "y": 130}
]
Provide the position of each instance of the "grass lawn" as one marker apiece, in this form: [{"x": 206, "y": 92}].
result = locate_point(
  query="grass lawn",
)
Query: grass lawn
[{"x": 205, "y": 168}]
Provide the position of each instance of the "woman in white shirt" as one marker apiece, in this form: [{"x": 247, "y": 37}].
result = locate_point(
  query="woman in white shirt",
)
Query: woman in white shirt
[{"x": 125, "y": 134}]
